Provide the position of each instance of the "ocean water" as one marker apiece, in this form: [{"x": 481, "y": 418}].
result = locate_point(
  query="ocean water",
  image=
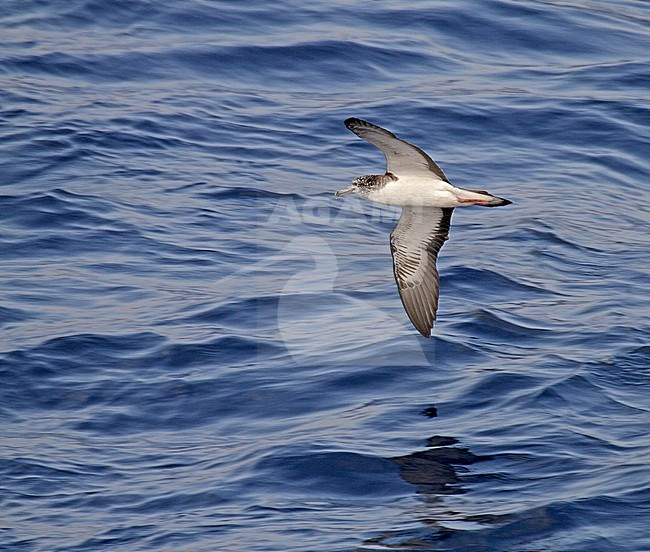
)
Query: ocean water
[{"x": 202, "y": 350}]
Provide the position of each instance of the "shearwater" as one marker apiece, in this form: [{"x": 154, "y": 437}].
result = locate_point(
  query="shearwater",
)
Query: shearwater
[{"x": 428, "y": 199}]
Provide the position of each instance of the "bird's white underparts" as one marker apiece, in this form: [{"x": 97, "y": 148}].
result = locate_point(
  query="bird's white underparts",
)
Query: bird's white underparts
[{"x": 413, "y": 181}]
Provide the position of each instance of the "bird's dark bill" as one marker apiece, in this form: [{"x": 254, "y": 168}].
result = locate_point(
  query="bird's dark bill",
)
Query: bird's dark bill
[{"x": 345, "y": 191}]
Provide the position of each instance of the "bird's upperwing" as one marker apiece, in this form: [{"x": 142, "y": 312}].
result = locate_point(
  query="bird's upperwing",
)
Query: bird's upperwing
[
  {"x": 402, "y": 158},
  {"x": 415, "y": 243}
]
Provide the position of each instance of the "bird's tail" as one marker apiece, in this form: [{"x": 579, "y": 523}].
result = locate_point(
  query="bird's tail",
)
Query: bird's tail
[{"x": 492, "y": 201}]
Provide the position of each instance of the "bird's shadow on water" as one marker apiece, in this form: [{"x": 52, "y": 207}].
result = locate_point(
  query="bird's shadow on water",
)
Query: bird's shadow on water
[
  {"x": 438, "y": 470},
  {"x": 443, "y": 469}
]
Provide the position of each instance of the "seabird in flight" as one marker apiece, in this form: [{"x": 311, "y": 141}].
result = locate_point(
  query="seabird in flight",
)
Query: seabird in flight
[{"x": 413, "y": 181}]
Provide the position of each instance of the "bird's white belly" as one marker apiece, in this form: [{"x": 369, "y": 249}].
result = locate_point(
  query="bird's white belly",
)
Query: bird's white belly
[{"x": 422, "y": 192}]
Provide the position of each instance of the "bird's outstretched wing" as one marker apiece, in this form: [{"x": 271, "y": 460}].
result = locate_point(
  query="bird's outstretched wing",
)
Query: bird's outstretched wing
[
  {"x": 402, "y": 158},
  {"x": 415, "y": 243}
]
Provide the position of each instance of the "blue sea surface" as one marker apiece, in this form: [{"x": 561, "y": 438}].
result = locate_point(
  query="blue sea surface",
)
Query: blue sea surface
[{"x": 201, "y": 349}]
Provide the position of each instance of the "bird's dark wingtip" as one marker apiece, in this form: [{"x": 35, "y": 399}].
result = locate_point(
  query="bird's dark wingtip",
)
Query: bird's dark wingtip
[{"x": 351, "y": 121}]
